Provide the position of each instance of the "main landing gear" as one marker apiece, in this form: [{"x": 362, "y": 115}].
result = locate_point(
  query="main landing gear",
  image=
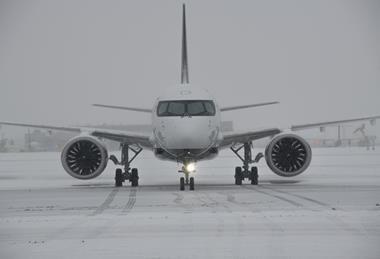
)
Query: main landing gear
[
  {"x": 130, "y": 174},
  {"x": 242, "y": 173},
  {"x": 186, "y": 180}
]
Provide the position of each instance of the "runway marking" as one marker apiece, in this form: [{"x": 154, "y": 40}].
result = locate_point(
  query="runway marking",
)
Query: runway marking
[
  {"x": 131, "y": 201},
  {"x": 270, "y": 224},
  {"x": 105, "y": 205},
  {"x": 231, "y": 198},
  {"x": 188, "y": 208},
  {"x": 296, "y": 204},
  {"x": 187, "y": 225},
  {"x": 208, "y": 201},
  {"x": 178, "y": 199},
  {"x": 219, "y": 209}
]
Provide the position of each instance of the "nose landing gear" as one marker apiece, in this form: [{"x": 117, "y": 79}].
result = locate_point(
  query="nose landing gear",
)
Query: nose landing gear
[
  {"x": 186, "y": 180},
  {"x": 130, "y": 174}
]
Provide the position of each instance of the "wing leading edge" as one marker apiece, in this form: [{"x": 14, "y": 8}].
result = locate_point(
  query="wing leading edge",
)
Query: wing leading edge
[
  {"x": 115, "y": 135},
  {"x": 331, "y": 123},
  {"x": 231, "y": 108},
  {"x": 123, "y": 108}
]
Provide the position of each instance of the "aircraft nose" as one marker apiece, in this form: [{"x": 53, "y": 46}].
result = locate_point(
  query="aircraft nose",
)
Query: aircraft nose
[
  {"x": 189, "y": 135},
  {"x": 193, "y": 137}
]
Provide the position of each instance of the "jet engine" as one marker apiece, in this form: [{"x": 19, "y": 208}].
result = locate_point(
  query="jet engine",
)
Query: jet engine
[
  {"x": 288, "y": 155},
  {"x": 84, "y": 157}
]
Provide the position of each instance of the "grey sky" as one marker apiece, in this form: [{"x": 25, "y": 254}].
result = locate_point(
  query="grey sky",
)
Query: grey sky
[{"x": 320, "y": 59}]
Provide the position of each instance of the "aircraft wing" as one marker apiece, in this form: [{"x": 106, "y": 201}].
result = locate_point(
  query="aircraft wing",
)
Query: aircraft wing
[
  {"x": 116, "y": 135},
  {"x": 231, "y": 108},
  {"x": 232, "y": 138},
  {"x": 123, "y": 108},
  {"x": 332, "y": 123},
  {"x": 123, "y": 137}
]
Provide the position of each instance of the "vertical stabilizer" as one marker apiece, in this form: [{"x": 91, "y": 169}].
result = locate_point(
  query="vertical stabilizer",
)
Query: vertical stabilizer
[{"x": 184, "y": 68}]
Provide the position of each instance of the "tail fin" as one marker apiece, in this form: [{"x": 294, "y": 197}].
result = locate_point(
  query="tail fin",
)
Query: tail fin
[{"x": 184, "y": 69}]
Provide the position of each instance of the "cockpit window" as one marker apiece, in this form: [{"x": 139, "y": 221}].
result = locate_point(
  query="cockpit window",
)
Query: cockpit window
[
  {"x": 186, "y": 108},
  {"x": 162, "y": 108},
  {"x": 176, "y": 108}
]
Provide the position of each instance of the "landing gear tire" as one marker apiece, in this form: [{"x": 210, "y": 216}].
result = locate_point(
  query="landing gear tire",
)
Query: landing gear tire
[
  {"x": 254, "y": 176},
  {"x": 118, "y": 178},
  {"x": 182, "y": 183},
  {"x": 135, "y": 177},
  {"x": 191, "y": 183},
  {"x": 238, "y": 175}
]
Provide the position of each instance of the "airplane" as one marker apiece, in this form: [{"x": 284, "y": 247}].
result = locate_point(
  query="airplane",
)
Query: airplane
[{"x": 186, "y": 128}]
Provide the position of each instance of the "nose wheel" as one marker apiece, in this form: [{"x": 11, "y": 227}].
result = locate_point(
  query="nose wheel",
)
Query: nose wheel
[
  {"x": 183, "y": 181},
  {"x": 191, "y": 185}
]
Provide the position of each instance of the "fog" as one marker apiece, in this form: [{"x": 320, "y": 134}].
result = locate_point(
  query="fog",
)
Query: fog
[{"x": 320, "y": 59}]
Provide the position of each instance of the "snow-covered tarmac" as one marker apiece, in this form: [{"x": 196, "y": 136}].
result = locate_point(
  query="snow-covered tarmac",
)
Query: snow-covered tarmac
[{"x": 332, "y": 210}]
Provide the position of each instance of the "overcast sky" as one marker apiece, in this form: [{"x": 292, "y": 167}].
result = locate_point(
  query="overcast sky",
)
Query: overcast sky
[{"x": 320, "y": 59}]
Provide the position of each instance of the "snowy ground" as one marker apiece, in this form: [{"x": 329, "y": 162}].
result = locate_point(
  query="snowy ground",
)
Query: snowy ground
[{"x": 332, "y": 210}]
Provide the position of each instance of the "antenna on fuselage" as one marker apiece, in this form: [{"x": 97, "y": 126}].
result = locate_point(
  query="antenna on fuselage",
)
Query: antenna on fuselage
[{"x": 184, "y": 68}]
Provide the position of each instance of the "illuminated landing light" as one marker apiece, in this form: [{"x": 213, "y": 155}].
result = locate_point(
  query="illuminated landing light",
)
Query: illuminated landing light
[{"x": 190, "y": 167}]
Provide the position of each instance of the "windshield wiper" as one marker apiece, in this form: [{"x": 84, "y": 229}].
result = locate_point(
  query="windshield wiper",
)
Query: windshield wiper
[{"x": 186, "y": 114}]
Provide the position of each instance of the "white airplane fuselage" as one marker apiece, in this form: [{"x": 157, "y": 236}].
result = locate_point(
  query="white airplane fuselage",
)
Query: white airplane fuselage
[{"x": 186, "y": 137}]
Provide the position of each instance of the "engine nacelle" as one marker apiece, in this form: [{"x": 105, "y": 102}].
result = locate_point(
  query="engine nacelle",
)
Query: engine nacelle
[
  {"x": 288, "y": 155},
  {"x": 84, "y": 157}
]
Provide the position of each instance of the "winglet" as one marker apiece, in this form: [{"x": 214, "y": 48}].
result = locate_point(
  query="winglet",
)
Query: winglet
[{"x": 184, "y": 68}]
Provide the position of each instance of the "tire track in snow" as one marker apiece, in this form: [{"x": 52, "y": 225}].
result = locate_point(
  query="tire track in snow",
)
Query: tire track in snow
[
  {"x": 109, "y": 222},
  {"x": 96, "y": 231},
  {"x": 72, "y": 227},
  {"x": 291, "y": 202},
  {"x": 271, "y": 225},
  {"x": 131, "y": 202},
  {"x": 105, "y": 205},
  {"x": 299, "y": 196},
  {"x": 333, "y": 218}
]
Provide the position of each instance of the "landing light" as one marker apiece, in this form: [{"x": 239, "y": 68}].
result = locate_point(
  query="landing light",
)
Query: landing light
[{"x": 190, "y": 167}]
